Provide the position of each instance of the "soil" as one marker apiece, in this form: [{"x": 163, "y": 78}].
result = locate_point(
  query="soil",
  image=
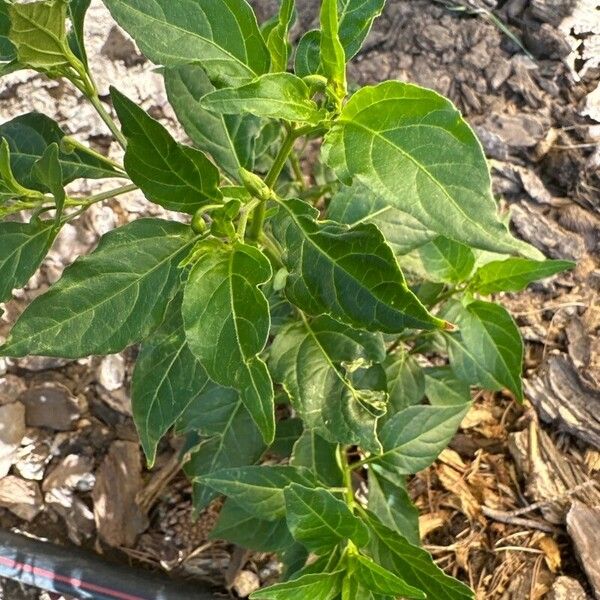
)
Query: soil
[{"x": 498, "y": 507}]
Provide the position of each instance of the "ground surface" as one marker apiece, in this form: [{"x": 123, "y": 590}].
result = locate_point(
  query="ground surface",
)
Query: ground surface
[{"x": 503, "y": 507}]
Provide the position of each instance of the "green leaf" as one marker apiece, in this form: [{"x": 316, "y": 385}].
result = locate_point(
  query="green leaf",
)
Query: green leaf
[
  {"x": 319, "y": 456},
  {"x": 240, "y": 527},
  {"x": 488, "y": 350},
  {"x": 229, "y": 139},
  {"x": 379, "y": 580},
  {"x": 406, "y": 381},
  {"x": 227, "y": 324},
  {"x": 29, "y": 135},
  {"x": 76, "y": 37},
  {"x": 308, "y": 54},
  {"x": 8, "y": 52},
  {"x": 395, "y": 553},
  {"x": 259, "y": 489},
  {"x": 287, "y": 433},
  {"x": 320, "y": 521},
  {"x": 357, "y": 204},
  {"x": 356, "y": 18},
  {"x": 274, "y": 95},
  {"x": 326, "y": 277},
  {"x": 221, "y": 36},
  {"x": 446, "y": 260},
  {"x": 173, "y": 175},
  {"x": 23, "y": 247},
  {"x": 333, "y": 57},
  {"x": 443, "y": 388},
  {"x": 277, "y": 39},
  {"x": 167, "y": 379},
  {"x": 313, "y": 361},
  {"x": 443, "y": 182},
  {"x": 10, "y": 188},
  {"x": 515, "y": 274},
  {"x": 392, "y": 505},
  {"x": 317, "y": 586},
  {"x": 413, "y": 438},
  {"x": 38, "y": 32},
  {"x": 48, "y": 171},
  {"x": 108, "y": 300}
]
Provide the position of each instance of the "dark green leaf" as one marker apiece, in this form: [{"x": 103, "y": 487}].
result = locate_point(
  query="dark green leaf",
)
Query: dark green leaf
[
  {"x": 227, "y": 324},
  {"x": 333, "y": 58},
  {"x": 277, "y": 39},
  {"x": 320, "y": 521},
  {"x": 48, "y": 171},
  {"x": 515, "y": 274},
  {"x": 28, "y": 137},
  {"x": 23, "y": 246},
  {"x": 318, "y": 586},
  {"x": 319, "y": 456},
  {"x": 108, "y": 300},
  {"x": 443, "y": 388},
  {"x": 221, "y": 36},
  {"x": 173, "y": 175},
  {"x": 444, "y": 182},
  {"x": 229, "y": 139},
  {"x": 446, "y": 260},
  {"x": 393, "y": 552},
  {"x": 356, "y": 18},
  {"x": 259, "y": 489},
  {"x": 77, "y": 11},
  {"x": 287, "y": 433},
  {"x": 488, "y": 350},
  {"x": 406, "y": 381},
  {"x": 7, "y": 50},
  {"x": 274, "y": 95},
  {"x": 240, "y": 527},
  {"x": 326, "y": 277},
  {"x": 313, "y": 362},
  {"x": 308, "y": 54}
]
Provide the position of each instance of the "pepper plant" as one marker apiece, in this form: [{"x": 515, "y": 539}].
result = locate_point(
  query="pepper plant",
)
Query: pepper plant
[{"x": 315, "y": 328}]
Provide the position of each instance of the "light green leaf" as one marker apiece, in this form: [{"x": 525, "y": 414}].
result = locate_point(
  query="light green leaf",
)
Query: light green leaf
[
  {"x": 277, "y": 39},
  {"x": 488, "y": 350},
  {"x": 326, "y": 277},
  {"x": 443, "y": 182},
  {"x": 316, "y": 586},
  {"x": 406, "y": 381},
  {"x": 446, "y": 260},
  {"x": 313, "y": 362},
  {"x": 333, "y": 57},
  {"x": 274, "y": 95},
  {"x": 515, "y": 274},
  {"x": 259, "y": 489},
  {"x": 396, "y": 554},
  {"x": 320, "y": 521},
  {"x": 357, "y": 204},
  {"x": 227, "y": 324},
  {"x": 413, "y": 438},
  {"x": 77, "y": 12},
  {"x": 108, "y": 300},
  {"x": 8, "y": 52},
  {"x": 240, "y": 527},
  {"x": 23, "y": 246},
  {"x": 10, "y": 188},
  {"x": 319, "y": 456},
  {"x": 29, "y": 135},
  {"x": 48, "y": 171},
  {"x": 221, "y": 36},
  {"x": 443, "y": 388},
  {"x": 229, "y": 139},
  {"x": 173, "y": 175},
  {"x": 356, "y": 18},
  {"x": 308, "y": 54}
]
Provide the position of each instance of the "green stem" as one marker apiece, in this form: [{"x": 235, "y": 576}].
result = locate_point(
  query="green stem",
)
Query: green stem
[
  {"x": 243, "y": 220},
  {"x": 105, "y": 159},
  {"x": 295, "y": 162},
  {"x": 87, "y": 202},
  {"x": 347, "y": 475},
  {"x": 110, "y": 123}
]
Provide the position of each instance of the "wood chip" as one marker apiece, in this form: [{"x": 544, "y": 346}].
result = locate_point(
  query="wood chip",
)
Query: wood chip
[{"x": 583, "y": 525}]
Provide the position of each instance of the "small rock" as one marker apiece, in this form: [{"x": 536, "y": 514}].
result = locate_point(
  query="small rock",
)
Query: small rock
[
  {"x": 42, "y": 363},
  {"x": 518, "y": 131},
  {"x": 245, "y": 583},
  {"x": 11, "y": 387},
  {"x": 69, "y": 473},
  {"x": 566, "y": 588},
  {"x": 32, "y": 459},
  {"x": 50, "y": 407},
  {"x": 12, "y": 430},
  {"x": 111, "y": 372},
  {"x": 23, "y": 498}
]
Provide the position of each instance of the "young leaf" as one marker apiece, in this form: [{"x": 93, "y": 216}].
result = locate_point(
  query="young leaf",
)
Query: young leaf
[
  {"x": 308, "y": 54},
  {"x": 356, "y": 18},
  {"x": 10, "y": 188},
  {"x": 488, "y": 350},
  {"x": 443, "y": 388},
  {"x": 29, "y": 135},
  {"x": 227, "y": 324},
  {"x": 108, "y": 300},
  {"x": 357, "y": 204},
  {"x": 413, "y": 438},
  {"x": 447, "y": 260},
  {"x": 277, "y": 39},
  {"x": 166, "y": 380},
  {"x": 320, "y": 521},
  {"x": 229, "y": 139},
  {"x": 275, "y": 95},
  {"x": 173, "y": 175},
  {"x": 406, "y": 382},
  {"x": 77, "y": 12},
  {"x": 48, "y": 171},
  {"x": 316, "y": 586},
  {"x": 221, "y": 36},
  {"x": 319, "y": 456},
  {"x": 515, "y": 274},
  {"x": 325, "y": 276},
  {"x": 23, "y": 246},
  {"x": 259, "y": 489},
  {"x": 240, "y": 527},
  {"x": 310, "y": 360},
  {"x": 393, "y": 552},
  {"x": 333, "y": 58},
  {"x": 410, "y": 146}
]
